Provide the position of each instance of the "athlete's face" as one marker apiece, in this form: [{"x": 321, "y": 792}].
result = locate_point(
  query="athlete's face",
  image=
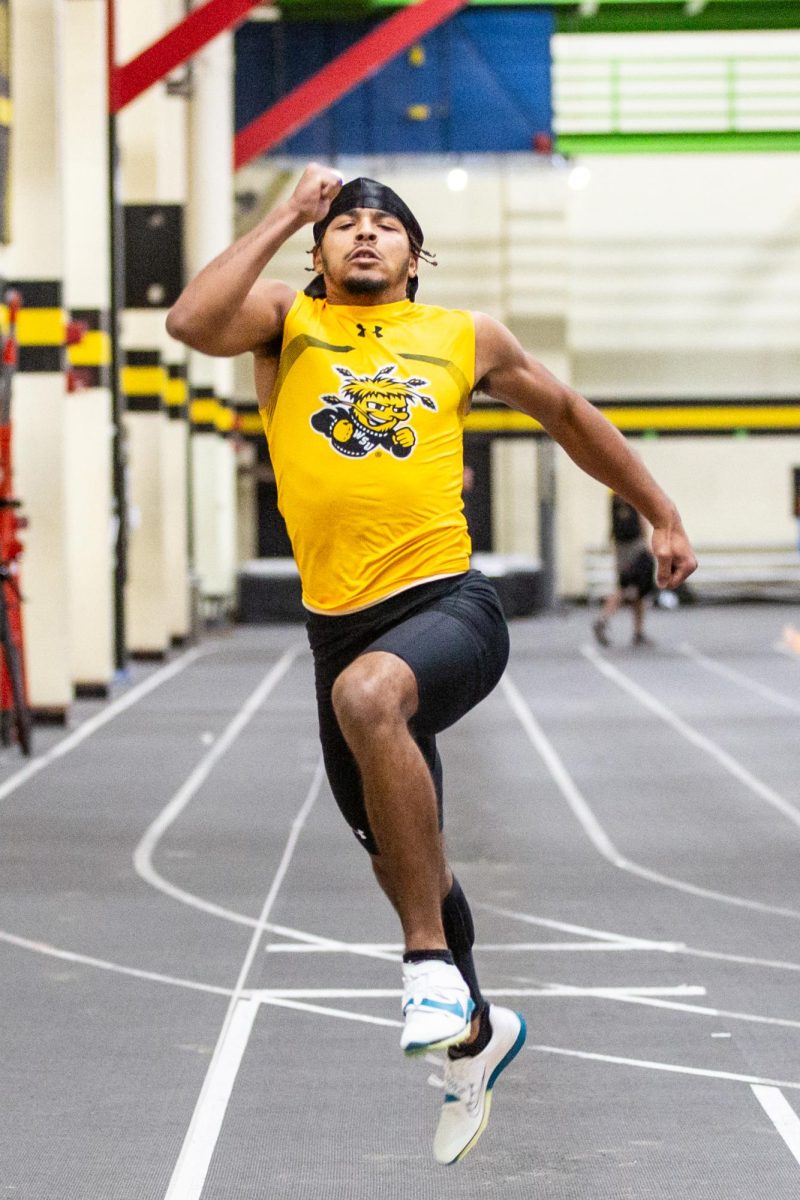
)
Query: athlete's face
[{"x": 365, "y": 253}]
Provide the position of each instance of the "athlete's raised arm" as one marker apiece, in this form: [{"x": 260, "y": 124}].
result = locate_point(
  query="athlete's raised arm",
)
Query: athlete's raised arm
[
  {"x": 508, "y": 373},
  {"x": 227, "y": 308}
]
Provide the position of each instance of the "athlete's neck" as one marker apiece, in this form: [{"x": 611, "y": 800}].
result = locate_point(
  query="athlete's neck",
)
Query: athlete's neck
[{"x": 336, "y": 295}]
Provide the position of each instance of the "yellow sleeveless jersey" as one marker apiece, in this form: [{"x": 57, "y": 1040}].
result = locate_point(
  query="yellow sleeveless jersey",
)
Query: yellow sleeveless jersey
[{"x": 364, "y": 426}]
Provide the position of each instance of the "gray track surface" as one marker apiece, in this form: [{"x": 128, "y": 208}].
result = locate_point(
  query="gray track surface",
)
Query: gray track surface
[{"x": 624, "y": 820}]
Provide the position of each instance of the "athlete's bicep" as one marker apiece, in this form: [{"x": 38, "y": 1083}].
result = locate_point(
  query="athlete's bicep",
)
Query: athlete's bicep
[{"x": 507, "y": 372}]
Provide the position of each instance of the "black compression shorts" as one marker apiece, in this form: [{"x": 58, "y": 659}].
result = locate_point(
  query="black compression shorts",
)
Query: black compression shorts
[{"x": 452, "y": 634}]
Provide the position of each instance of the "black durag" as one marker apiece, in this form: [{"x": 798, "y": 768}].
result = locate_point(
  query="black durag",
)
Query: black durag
[{"x": 368, "y": 193}]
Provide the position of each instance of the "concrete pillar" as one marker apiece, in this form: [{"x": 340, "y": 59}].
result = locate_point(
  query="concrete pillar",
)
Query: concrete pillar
[
  {"x": 179, "y": 611},
  {"x": 152, "y": 144},
  {"x": 209, "y": 230},
  {"x": 89, "y": 544},
  {"x": 40, "y": 412}
]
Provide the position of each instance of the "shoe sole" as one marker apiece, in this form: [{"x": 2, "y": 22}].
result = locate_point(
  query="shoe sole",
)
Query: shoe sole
[
  {"x": 417, "y": 1048},
  {"x": 501, "y": 1066}
]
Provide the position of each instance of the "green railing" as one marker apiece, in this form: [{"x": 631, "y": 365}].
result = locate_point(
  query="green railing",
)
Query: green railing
[{"x": 692, "y": 102}]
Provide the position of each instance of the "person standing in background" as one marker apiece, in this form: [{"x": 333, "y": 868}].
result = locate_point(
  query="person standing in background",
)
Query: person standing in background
[{"x": 634, "y": 567}]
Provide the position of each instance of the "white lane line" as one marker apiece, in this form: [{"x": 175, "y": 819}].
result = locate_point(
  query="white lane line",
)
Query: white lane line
[
  {"x": 143, "y": 854},
  {"x": 595, "y": 832},
  {"x": 103, "y": 964},
  {"x": 782, "y": 1115},
  {"x": 775, "y": 964},
  {"x": 321, "y": 1010},
  {"x": 737, "y": 677},
  {"x": 548, "y": 989},
  {"x": 623, "y": 939},
  {"x": 96, "y": 722},
  {"x": 664, "y": 947},
  {"x": 313, "y": 940},
  {"x": 662, "y": 1066},
  {"x": 692, "y": 735},
  {"x": 479, "y": 948},
  {"x": 641, "y": 996},
  {"x": 189, "y": 1175}
]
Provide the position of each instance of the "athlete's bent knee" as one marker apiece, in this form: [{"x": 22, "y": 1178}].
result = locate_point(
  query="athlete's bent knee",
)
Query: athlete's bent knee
[{"x": 375, "y": 690}]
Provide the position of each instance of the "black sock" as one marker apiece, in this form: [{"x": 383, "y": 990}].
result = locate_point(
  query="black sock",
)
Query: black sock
[
  {"x": 415, "y": 956},
  {"x": 480, "y": 1042},
  {"x": 459, "y": 932}
]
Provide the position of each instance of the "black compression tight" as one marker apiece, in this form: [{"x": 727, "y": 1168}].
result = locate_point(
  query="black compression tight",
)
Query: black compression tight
[{"x": 459, "y": 932}]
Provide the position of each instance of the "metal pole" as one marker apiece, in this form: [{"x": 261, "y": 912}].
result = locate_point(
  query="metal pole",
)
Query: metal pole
[{"x": 116, "y": 303}]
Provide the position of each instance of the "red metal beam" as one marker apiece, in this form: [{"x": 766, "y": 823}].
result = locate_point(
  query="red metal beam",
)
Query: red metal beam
[
  {"x": 340, "y": 76},
  {"x": 184, "y": 40}
]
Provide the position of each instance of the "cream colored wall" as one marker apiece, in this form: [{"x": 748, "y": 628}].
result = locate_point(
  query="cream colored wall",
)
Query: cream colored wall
[
  {"x": 41, "y": 412},
  {"x": 668, "y": 276},
  {"x": 685, "y": 275},
  {"x": 86, "y": 285}
]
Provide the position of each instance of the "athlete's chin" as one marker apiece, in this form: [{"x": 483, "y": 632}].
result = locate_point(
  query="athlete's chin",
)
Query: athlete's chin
[{"x": 363, "y": 283}]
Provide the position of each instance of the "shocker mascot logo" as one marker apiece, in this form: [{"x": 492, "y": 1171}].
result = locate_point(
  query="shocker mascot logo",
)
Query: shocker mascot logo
[{"x": 369, "y": 411}]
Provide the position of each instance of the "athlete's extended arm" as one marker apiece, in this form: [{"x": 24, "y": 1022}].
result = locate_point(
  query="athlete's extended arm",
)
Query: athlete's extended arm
[
  {"x": 509, "y": 374},
  {"x": 227, "y": 308}
]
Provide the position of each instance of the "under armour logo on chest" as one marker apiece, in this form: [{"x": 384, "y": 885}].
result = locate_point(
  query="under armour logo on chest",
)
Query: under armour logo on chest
[{"x": 376, "y": 330}]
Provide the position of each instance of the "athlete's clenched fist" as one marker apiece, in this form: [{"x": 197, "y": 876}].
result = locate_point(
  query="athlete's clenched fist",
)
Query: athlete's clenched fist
[{"x": 316, "y": 190}]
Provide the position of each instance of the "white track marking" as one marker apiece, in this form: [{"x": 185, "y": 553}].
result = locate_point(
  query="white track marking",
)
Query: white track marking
[
  {"x": 775, "y": 964},
  {"x": 548, "y": 989},
  {"x": 193, "y": 1162},
  {"x": 692, "y": 735},
  {"x": 479, "y": 948},
  {"x": 782, "y": 1115},
  {"x": 315, "y": 941},
  {"x": 737, "y": 677},
  {"x": 92, "y": 724},
  {"x": 622, "y": 939},
  {"x": 86, "y": 960},
  {"x": 320, "y": 1010},
  {"x": 142, "y": 858},
  {"x": 664, "y": 947},
  {"x": 648, "y": 998},
  {"x": 662, "y": 1066},
  {"x": 595, "y": 832}
]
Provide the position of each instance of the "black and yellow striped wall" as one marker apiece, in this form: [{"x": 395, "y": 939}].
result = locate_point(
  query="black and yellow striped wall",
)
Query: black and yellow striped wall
[
  {"x": 144, "y": 381},
  {"x": 658, "y": 418},
  {"x": 41, "y": 325},
  {"x": 177, "y": 392},
  {"x": 90, "y": 358},
  {"x": 209, "y": 413}
]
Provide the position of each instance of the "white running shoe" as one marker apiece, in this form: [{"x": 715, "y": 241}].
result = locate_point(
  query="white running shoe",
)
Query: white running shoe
[
  {"x": 437, "y": 1006},
  {"x": 468, "y": 1084}
]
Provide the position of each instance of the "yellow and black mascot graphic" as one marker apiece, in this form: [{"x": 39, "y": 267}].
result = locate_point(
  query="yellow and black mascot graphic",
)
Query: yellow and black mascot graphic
[{"x": 369, "y": 413}]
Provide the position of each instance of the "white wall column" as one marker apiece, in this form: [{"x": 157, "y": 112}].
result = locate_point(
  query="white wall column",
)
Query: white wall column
[
  {"x": 209, "y": 231},
  {"x": 152, "y": 142},
  {"x": 40, "y": 412},
  {"x": 87, "y": 273}
]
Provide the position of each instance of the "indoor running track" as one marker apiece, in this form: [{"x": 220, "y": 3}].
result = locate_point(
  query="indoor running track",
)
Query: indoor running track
[{"x": 199, "y": 978}]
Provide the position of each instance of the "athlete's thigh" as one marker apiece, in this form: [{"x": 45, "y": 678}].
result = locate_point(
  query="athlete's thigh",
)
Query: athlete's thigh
[{"x": 457, "y": 648}]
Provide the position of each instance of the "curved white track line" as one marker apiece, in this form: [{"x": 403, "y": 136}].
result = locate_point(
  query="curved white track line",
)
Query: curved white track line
[
  {"x": 94, "y": 723},
  {"x": 594, "y": 830},
  {"x": 725, "y": 760},
  {"x": 143, "y": 854},
  {"x": 737, "y": 677},
  {"x": 191, "y": 1168}
]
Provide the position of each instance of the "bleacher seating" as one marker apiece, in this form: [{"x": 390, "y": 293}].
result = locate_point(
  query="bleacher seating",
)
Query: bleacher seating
[{"x": 724, "y": 573}]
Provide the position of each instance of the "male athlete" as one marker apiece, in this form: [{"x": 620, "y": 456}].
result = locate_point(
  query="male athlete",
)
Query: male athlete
[{"x": 363, "y": 394}]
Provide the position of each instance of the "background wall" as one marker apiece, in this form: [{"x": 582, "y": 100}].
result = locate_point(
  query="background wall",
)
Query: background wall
[{"x": 661, "y": 276}]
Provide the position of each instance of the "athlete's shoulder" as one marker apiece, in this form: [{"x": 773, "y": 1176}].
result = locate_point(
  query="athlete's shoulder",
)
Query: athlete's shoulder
[{"x": 458, "y": 316}]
